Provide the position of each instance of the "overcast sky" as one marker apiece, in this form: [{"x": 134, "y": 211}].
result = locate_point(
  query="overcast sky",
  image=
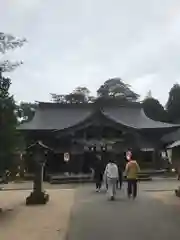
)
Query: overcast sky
[{"x": 85, "y": 42}]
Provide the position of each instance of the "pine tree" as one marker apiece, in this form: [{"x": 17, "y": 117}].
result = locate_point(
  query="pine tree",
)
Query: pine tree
[{"x": 8, "y": 118}]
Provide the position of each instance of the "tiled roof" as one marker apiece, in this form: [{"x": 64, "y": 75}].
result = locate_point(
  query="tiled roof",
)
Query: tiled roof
[
  {"x": 134, "y": 118},
  {"x": 59, "y": 117},
  {"x": 56, "y": 118},
  {"x": 171, "y": 137}
]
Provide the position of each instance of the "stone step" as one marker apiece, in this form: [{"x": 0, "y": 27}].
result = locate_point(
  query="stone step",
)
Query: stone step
[{"x": 87, "y": 180}]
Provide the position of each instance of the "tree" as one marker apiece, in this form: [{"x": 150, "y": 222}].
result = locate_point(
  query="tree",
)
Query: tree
[
  {"x": 153, "y": 109},
  {"x": 8, "y": 118},
  {"x": 25, "y": 111},
  {"x": 7, "y": 122},
  {"x": 83, "y": 91},
  {"x": 9, "y": 42},
  {"x": 78, "y": 95},
  {"x": 58, "y": 98},
  {"x": 116, "y": 88},
  {"x": 173, "y": 104},
  {"x": 113, "y": 88}
]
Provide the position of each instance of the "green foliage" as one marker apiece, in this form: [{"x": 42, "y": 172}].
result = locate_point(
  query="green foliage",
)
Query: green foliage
[
  {"x": 26, "y": 111},
  {"x": 82, "y": 90},
  {"x": 8, "y": 120},
  {"x": 75, "y": 97},
  {"x": 9, "y": 42},
  {"x": 116, "y": 88},
  {"x": 154, "y": 110},
  {"x": 78, "y": 95},
  {"x": 173, "y": 104},
  {"x": 112, "y": 88},
  {"x": 8, "y": 123}
]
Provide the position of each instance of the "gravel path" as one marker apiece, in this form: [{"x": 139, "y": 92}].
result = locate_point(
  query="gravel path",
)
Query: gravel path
[
  {"x": 47, "y": 222},
  {"x": 152, "y": 216}
]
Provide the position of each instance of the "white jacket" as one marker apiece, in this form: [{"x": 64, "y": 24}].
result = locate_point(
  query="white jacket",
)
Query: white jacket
[{"x": 111, "y": 171}]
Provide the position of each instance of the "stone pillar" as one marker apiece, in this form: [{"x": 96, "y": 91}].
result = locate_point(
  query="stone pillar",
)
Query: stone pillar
[
  {"x": 38, "y": 178},
  {"x": 38, "y": 196}
]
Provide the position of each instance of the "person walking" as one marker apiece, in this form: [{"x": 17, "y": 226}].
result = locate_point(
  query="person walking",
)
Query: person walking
[
  {"x": 98, "y": 174},
  {"x": 178, "y": 172},
  {"x": 131, "y": 172},
  {"x": 111, "y": 174},
  {"x": 120, "y": 178},
  {"x": 106, "y": 182}
]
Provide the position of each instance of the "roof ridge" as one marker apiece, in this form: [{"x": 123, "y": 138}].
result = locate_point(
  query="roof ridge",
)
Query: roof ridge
[{"x": 98, "y": 104}]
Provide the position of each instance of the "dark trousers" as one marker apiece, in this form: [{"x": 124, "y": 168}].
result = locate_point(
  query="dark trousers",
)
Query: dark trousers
[
  {"x": 132, "y": 187},
  {"x": 98, "y": 184},
  {"x": 119, "y": 183},
  {"x": 98, "y": 181},
  {"x": 106, "y": 186}
]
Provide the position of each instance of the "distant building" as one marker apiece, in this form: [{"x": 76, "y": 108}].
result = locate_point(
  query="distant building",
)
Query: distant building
[{"x": 172, "y": 143}]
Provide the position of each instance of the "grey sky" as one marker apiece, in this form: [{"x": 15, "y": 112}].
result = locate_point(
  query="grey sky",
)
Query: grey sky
[{"x": 85, "y": 42}]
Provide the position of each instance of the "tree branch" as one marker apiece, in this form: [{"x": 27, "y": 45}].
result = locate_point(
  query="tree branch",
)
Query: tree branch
[
  {"x": 8, "y": 41},
  {"x": 8, "y": 66}
]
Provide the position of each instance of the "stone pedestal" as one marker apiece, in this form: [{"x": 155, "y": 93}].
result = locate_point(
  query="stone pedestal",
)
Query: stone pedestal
[{"x": 37, "y": 198}]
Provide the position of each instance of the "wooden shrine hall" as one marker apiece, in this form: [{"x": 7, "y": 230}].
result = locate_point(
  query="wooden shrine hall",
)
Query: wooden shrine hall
[{"x": 83, "y": 131}]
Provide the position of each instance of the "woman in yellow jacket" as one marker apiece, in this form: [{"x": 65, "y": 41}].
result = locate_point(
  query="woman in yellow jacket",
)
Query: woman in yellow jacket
[{"x": 131, "y": 172}]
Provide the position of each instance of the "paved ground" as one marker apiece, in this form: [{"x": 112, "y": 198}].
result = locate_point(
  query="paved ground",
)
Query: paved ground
[
  {"x": 28, "y": 185},
  {"x": 154, "y": 215},
  {"x": 157, "y": 183},
  {"x": 47, "y": 222}
]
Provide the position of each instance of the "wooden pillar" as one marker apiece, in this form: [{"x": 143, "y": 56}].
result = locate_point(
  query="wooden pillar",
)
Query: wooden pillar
[{"x": 156, "y": 159}]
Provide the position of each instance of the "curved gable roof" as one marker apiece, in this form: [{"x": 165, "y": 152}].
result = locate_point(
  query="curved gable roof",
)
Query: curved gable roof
[
  {"x": 171, "y": 137},
  {"x": 56, "y": 117},
  {"x": 52, "y": 116},
  {"x": 133, "y": 117}
]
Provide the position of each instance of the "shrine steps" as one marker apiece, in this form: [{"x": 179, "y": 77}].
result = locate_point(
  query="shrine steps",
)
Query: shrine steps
[{"x": 60, "y": 179}]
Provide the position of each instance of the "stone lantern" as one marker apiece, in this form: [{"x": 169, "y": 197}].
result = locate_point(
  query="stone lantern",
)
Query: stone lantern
[{"x": 38, "y": 151}]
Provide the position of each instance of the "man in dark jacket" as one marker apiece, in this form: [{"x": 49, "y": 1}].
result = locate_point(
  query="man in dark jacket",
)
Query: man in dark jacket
[
  {"x": 98, "y": 174},
  {"x": 120, "y": 180}
]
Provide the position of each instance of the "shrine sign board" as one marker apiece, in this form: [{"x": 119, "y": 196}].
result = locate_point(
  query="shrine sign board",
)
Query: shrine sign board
[{"x": 66, "y": 157}]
